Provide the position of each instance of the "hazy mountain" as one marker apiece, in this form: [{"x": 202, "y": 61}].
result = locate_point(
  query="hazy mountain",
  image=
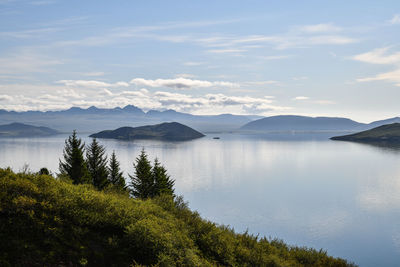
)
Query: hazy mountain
[
  {"x": 384, "y": 122},
  {"x": 94, "y": 119},
  {"x": 24, "y": 130},
  {"x": 171, "y": 131},
  {"x": 389, "y": 133},
  {"x": 302, "y": 123}
]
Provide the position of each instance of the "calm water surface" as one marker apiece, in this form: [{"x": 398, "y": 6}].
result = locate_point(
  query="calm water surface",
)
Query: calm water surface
[{"x": 307, "y": 190}]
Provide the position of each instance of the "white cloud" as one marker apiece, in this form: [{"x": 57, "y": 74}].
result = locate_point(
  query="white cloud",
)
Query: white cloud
[
  {"x": 276, "y": 57},
  {"x": 60, "y": 96},
  {"x": 185, "y": 75},
  {"x": 301, "y": 98},
  {"x": 392, "y": 76},
  {"x": 270, "y": 82},
  {"x": 192, "y": 63},
  {"x": 181, "y": 83},
  {"x": 319, "y": 28},
  {"x": 300, "y": 78},
  {"x": 26, "y": 61},
  {"x": 91, "y": 84},
  {"x": 324, "y": 102},
  {"x": 6, "y": 98},
  {"x": 379, "y": 56},
  {"x": 224, "y": 51},
  {"x": 395, "y": 19},
  {"x": 95, "y": 74}
]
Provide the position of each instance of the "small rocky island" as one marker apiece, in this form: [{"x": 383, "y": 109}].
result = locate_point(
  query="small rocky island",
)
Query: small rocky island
[
  {"x": 169, "y": 131},
  {"x": 24, "y": 130},
  {"x": 389, "y": 133}
]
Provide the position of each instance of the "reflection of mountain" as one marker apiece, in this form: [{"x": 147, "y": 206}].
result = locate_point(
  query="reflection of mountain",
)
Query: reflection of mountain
[
  {"x": 24, "y": 130},
  {"x": 385, "y": 134},
  {"x": 172, "y": 131},
  {"x": 96, "y": 119}
]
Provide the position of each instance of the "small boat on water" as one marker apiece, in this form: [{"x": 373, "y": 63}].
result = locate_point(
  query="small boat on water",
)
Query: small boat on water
[{"x": 216, "y": 137}]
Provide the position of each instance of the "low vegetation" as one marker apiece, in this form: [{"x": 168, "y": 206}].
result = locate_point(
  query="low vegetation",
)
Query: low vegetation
[
  {"x": 65, "y": 221},
  {"x": 389, "y": 133}
]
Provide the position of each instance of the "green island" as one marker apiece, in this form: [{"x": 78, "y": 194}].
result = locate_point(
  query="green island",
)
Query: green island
[
  {"x": 87, "y": 216},
  {"x": 169, "y": 131},
  {"x": 389, "y": 133}
]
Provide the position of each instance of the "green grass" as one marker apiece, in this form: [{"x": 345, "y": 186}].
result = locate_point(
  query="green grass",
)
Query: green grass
[{"x": 50, "y": 222}]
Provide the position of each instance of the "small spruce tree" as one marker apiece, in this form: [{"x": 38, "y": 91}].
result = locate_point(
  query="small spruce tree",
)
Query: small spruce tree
[
  {"x": 44, "y": 171},
  {"x": 163, "y": 184},
  {"x": 74, "y": 164},
  {"x": 142, "y": 182},
  {"x": 115, "y": 176},
  {"x": 97, "y": 164}
]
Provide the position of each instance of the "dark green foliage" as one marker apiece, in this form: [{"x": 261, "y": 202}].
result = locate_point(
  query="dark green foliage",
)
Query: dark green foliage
[
  {"x": 142, "y": 182},
  {"x": 115, "y": 176},
  {"x": 97, "y": 164},
  {"x": 74, "y": 164},
  {"x": 150, "y": 181},
  {"x": 163, "y": 184},
  {"x": 44, "y": 171},
  {"x": 49, "y": 222}
]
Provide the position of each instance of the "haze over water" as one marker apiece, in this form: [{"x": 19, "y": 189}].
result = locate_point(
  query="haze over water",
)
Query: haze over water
[{"x": 339, "y": 196}]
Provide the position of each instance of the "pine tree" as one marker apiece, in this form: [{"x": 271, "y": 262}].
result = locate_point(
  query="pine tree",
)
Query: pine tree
[
  {"x": 115, "y": 176},
  {"x": 142, "y": 183},
  {"x": 163, "y": 184},
  {"x": 97, "y": 164},
  {"x": 74, "y": 164}
]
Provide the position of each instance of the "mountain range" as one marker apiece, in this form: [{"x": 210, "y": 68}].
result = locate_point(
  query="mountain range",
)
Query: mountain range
[
  {"x": 303, "y": 123},
  {"x": 95, "y": 119}
]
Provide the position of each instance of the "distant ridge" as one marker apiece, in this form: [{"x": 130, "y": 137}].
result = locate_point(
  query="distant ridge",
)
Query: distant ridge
[
  {"x": 389, "y": 133},
  {"x": 94, "y": 119},
  {"x": 169, "y": 131},
  {"x": 25, "y": 130},
  {"x": 302, "y": 123}
]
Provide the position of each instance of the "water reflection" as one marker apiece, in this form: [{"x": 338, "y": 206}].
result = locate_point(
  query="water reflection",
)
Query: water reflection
[{"x": 340, "y": 196}]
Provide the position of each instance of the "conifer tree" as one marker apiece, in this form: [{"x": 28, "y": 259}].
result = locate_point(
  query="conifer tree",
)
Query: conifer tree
[
  {"x": 142, "y": 182},
  {"x": 163, "y": 184},
  {"x": 74, "y": 164},
  {"x": 115, "y": 176},
  {"x": 97, "y": 164}
]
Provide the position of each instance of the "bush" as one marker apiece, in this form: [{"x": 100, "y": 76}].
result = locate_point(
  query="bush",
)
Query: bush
[{"x": 52, "y": 222}]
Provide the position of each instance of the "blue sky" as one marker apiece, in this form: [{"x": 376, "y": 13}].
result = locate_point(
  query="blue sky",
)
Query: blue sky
[{"x": 336, "y": 58}]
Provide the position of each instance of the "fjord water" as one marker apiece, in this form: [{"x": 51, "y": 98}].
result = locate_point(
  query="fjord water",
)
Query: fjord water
[{"x": 305, "y": 189}]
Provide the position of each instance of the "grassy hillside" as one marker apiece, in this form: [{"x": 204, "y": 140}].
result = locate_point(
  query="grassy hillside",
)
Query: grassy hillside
[
  {"x": 385, "y": 133},
  {"x": 24, "y": 130},
  {"x": 51, "y": 222}
]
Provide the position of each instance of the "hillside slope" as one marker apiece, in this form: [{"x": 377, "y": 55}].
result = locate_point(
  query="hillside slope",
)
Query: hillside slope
[
  {"x": 170, "y": 131},
  {"x": 24, "y": 130},
  {"x": 301, "y": 123},
  {"x": 389, "y": 133},
  {"x": 49, "y": 222}
]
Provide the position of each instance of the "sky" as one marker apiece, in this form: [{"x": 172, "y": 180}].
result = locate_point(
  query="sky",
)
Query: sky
[{"x": 315, "y": 58}]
